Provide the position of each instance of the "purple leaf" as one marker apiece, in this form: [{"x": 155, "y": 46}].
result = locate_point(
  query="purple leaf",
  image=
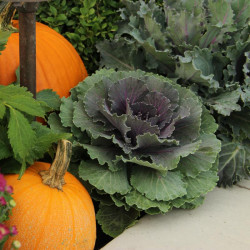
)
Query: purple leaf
[
  {"x": 139, "y": 127},
  {"x": 126, "y": 90}
]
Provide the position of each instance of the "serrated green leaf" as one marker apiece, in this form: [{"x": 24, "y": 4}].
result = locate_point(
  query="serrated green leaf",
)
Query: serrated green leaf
[
  {"x": 201, "y": 184},
  {"x": 44, "y": 139},
  {"x": 104, "y": 179},
  {"x": 22, "y": 137},
  {"x": 26, "y": 104},
  {"x": 12, "y": 90},
  {"x": 156, "y": 186},
  {"x": 22, "y": 169},
  {"x": 114, "y": 220},
  {"x": 50, "y": 97}
]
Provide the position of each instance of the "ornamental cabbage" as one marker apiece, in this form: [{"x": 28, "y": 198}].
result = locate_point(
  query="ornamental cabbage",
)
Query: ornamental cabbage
[
  {"x": 142, "y": 142},
  {"x": 204, "y": 45}
]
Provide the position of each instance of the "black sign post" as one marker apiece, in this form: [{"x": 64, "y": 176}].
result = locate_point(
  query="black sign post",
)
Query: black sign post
[{"x": 27, "y": 41}]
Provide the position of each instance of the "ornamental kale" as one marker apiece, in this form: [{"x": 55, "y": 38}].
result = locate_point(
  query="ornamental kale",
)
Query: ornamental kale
[
  {"x": 142, "y": 142},
  {"x": 203, "y": 45}
]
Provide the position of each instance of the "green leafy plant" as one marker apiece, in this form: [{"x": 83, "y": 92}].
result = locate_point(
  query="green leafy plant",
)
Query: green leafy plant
[
  {"x": 83, "y": 23},
  {"x": 23, "y": 140},
  {"x": 203, "y": 45},
  {"x": 142, "y": 143}
]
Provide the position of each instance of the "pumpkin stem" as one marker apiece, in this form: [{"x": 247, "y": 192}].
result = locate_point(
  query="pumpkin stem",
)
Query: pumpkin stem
[
  {"x": 54, "y": 177},
  {"x": 7, "y": 12}
]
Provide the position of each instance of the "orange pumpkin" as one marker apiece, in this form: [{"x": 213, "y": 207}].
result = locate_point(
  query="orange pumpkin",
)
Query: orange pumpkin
[
  {"x": 59, "y": 67},
  {"x": 49, "y": 213}
]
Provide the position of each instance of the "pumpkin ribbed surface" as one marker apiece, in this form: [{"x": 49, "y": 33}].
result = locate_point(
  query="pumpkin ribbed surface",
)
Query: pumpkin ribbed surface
[
  {"x": 47, "y": 218},
  {"x": 59, "y": 67}
]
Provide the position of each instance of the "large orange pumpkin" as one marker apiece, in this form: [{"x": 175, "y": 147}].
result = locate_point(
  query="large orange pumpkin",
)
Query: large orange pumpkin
[
  {"x": 59, "y": 67},
  {"x": 49, "y": 213}
]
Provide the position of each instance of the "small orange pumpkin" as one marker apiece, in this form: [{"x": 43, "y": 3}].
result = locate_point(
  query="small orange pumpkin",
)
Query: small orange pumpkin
[
  {"x": 59, "y": 67},
  {"x": 54, "y": 210}
]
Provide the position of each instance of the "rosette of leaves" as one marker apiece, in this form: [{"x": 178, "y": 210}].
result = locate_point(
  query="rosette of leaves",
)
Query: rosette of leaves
[
  {"x": 142, "y": 142},
  {"x": 203, "y": 45}
]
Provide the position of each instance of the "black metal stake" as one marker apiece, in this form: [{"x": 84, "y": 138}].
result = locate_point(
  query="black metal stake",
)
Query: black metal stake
[
  {"x": 27, "y": 45},
  {"x": 27, "y": 41}
]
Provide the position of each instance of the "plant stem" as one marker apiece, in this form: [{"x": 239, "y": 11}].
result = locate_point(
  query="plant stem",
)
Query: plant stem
[
  {"x": 7, "y": 12},
  {"x": 54, "y": 177}
]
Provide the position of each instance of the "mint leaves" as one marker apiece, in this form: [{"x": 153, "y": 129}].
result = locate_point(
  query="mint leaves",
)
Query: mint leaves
[{"x": 22, "y": 139}]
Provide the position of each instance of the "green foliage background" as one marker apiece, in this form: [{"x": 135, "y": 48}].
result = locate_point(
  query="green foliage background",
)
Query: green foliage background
[{"x": 83, "y": 23}]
